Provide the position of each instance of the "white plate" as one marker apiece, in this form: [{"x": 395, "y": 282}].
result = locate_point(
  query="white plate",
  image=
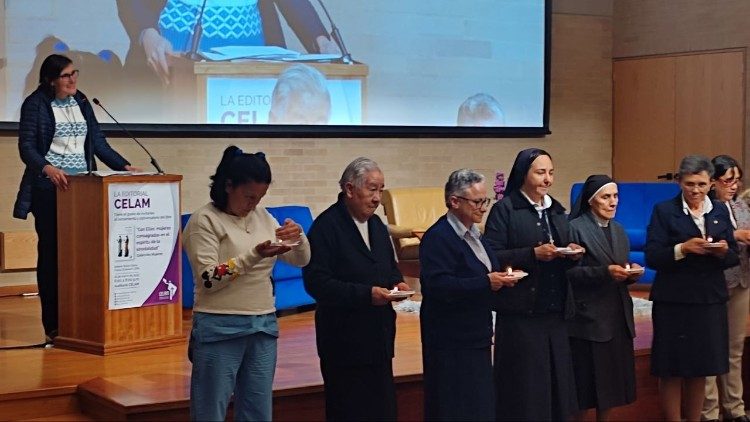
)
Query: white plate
[
  {"x": 517, "y": 274},
  {"x": 636, "y": 270},
  {"x": 713, "y": 245},
  {"x": 568, "y": 251},
  {"x": 289, "y": 243},
  {"x": 401, "y": 293}
]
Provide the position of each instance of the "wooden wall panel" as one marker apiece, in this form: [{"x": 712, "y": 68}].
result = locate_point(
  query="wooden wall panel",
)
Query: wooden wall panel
[
  {"x": 667, "y": 107},
  {"x": 643, "y": 119},
  {"x": 18, "y": 250},
  {"x": 710, "y": 104}
]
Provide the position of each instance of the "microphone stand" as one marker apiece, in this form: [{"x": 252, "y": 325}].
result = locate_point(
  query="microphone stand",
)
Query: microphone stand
[
  {"x": 153, "y": 160},
  {"x": 197, "y": 34},
  {"x": 90, "y": 154},
  {"x": 336, "y": 35}
]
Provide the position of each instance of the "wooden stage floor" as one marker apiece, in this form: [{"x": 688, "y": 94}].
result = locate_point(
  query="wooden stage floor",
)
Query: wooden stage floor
[{"x": 56, "y": 384}]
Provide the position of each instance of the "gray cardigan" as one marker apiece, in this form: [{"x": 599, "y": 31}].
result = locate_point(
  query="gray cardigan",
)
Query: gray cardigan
[{"x": 599, "y": 299}]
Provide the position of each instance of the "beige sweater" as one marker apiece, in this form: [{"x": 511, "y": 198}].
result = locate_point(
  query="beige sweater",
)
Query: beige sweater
[{"x": 212, "y": 237}]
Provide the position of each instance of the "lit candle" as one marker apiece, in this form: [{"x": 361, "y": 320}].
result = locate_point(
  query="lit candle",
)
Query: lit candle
[
  {"x": 710, "y": 239},
  {"x": 627, "y": 267},
  {"x": 510, "y": 271}
]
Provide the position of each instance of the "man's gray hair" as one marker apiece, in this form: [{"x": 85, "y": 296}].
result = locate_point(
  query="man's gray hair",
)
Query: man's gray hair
[
  {"x": 694, "y": 164},
  {"x": 355, "y": 172},
  {"x": 459, "y": 181},
  {"x": 480, "y": 110},
  {"x": 300, "y": 97}
]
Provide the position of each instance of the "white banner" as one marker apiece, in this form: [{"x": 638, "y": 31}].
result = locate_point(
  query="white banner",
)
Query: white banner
[{"x": 144, "y": 223}]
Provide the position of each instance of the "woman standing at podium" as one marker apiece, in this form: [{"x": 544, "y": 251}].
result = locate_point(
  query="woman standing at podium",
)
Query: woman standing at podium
[
  {"x": 56, "y": 134},
  {"x": 233, "y": 244}
]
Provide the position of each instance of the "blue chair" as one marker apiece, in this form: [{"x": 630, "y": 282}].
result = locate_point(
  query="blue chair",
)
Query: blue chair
[
  {"x": 288, "y": 287},
  {"x": 637, "y": 200},
  {"x": 187, "y": 272}
]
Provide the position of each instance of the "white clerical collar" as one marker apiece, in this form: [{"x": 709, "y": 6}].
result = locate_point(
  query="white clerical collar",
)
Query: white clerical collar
[
  {"x": 459, "y": 227},
  {"x": 600, "y": 221},
  {"x": 708, "y": 205},
  {"x": 546, "y": 201}
]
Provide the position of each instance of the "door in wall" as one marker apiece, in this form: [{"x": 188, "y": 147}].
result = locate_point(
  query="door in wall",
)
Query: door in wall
[{"x": 666, "y": 107}]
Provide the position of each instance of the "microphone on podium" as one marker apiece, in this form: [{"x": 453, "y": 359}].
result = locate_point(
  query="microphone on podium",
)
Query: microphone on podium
[
  {"x": 336, "y": 35},
  {"x": 153, "y": 160}
]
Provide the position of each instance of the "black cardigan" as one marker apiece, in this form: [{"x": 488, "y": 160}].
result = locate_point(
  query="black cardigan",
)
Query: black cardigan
[
  {"x": 512, "y": 232},
  {"x": 456, "y": 311},
  {"x": 340, "y": 276}
]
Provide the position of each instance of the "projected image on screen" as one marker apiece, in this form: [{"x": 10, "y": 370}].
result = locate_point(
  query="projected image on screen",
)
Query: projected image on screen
[{"x": 441, "y": 63}]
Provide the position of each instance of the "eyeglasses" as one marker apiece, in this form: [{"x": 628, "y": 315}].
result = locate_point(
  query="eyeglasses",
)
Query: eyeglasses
[
  {"x": 71, "y": 75},
  {"x": 728, "y": 182},
  {"x": 478, "y": 203}
]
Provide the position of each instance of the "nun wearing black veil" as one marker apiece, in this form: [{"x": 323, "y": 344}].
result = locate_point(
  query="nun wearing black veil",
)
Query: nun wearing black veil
[
  {"x": 528, "y": 230},
  {"x": 602, "y": 329}
]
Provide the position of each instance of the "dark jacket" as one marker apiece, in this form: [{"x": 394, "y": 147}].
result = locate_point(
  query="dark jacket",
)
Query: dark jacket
[
  {"x": 350, "y": 330},
  {"x": 695, "y": 278},
  {"x": 137, "y": 15},
  {"x": 602, "y": 304},
  {"x": 512, "y": 231},
  {"x": 35, "y": 132},
  {"x": 456, "y": 311}
]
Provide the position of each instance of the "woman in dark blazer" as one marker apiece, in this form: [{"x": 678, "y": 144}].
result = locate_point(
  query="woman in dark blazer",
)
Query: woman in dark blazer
[
  {"x": 602, "y": 329},
  {"x": 351, "y": 270},
  {"x": 689, "y": 243},
  {"x": 533, "y": 368},
  {"x": 458, "y": 273}
]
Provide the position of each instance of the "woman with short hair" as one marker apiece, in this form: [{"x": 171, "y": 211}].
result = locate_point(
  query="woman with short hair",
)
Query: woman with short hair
[
  {"x": 689, "y": 242},
  {"x": 458, "y": 273}
]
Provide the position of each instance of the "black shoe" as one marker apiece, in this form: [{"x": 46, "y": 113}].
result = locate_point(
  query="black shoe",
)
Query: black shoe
[
  {"x": 742, "y": 418},
  {"x": 49, "y": 338}
]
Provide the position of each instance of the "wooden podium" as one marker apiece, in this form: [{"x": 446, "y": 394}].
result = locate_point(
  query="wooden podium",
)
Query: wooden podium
[{"x": 86, "y": 322}]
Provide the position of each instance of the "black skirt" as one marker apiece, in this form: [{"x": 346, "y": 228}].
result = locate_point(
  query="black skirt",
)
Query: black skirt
[
  {"x": 533, "y": 368},
  {"x": 690, "y": 340},
  {"x": 359, "y": 392},
  {"x": 458, "y": 385},
  {"x": 604, "y": 371}
]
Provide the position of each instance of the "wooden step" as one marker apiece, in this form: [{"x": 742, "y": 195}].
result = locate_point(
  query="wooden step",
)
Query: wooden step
[
  {"x": 48, "y": 402},
  {"x": 67, "y": 417},
  {"x": 163, "y": 397}
]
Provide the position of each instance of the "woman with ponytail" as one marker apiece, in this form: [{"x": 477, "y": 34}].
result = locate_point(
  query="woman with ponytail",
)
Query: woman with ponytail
[{"x": 232, "y": 244}]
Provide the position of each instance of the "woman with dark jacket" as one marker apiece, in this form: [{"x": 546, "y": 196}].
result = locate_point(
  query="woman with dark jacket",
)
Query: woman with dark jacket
[
  {"x": 533, "y": 367},
  {"x": 602, "y": 329},
  {"x": 58, "y": 136},
  {"x": 458, "y": 273},
  {"x": 689, "y": 242}
]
